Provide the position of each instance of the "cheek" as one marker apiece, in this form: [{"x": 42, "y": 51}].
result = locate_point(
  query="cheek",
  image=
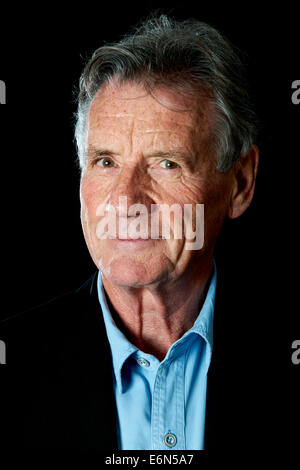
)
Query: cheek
[
  {"x": 216, "y": 209},
  {"x": 212, "y": 192},
  {"x": 92, "y": 195},
  {"x": 185, "y": 191}
]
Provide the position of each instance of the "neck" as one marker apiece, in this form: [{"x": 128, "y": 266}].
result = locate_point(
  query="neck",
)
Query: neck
[{"x": 154, "y": 317}]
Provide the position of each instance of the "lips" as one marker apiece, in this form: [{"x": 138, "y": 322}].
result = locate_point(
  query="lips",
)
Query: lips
[
  {"x": 139, "y": 239},
  {"x": 132, "y": 239},
  {"x": 131, "y": 243}
]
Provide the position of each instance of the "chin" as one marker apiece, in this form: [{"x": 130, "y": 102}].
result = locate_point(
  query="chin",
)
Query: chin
[{"x": 126, "y": 272}]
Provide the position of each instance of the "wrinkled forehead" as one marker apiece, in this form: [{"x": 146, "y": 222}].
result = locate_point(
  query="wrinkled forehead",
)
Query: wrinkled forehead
[{"x": 129, "y": 108}]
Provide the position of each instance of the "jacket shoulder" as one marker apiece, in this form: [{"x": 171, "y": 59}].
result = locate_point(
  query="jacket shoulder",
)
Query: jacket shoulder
[{"x": 53, "y": 312}]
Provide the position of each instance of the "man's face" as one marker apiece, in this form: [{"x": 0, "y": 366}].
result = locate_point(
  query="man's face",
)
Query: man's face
[{"x": 152, "y": 151}]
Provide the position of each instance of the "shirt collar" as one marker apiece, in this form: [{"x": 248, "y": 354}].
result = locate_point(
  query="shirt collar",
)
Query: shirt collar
[
  {"x": 203, "y": 325},
  {"x": 121, "y": 348}
]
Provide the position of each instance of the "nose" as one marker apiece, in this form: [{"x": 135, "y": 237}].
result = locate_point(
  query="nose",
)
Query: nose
[{"x": 129, "y": 188}]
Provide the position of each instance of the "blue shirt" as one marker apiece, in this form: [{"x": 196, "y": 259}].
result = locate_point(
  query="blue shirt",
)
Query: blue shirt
[{"x": 161, "y": 405}]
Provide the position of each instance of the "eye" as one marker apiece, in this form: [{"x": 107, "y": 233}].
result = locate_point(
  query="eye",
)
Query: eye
[
  {"x": 168, "y": 164},
  {"x": 105, "y": 162}
]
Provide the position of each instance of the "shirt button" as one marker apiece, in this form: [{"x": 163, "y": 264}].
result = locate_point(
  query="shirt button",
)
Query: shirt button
[
  {"x": 143, "y": 362},
  {"x": 170, "y": 440}
]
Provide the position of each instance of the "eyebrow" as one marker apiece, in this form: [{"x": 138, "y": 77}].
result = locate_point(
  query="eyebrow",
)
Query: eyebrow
[
  {"x": 93, "y": 152},
  {"x": 178, "y": 155},
  {"x": 173, "y": 154}
]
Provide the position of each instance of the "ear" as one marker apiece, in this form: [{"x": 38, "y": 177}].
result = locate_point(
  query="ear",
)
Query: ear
[{"x": 245, "y": 171}]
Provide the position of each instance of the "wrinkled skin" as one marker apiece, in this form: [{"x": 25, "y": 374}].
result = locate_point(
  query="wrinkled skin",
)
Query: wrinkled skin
[{"x": 156, "y": 150}]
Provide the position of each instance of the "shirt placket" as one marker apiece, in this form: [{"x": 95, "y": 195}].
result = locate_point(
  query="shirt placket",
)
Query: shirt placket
[
  {"x": 168, "y": 417},
  {"x": 180, "y": 403}
]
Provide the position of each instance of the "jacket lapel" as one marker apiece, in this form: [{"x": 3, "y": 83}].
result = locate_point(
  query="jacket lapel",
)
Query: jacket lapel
[{"x": 91, "y": 373}]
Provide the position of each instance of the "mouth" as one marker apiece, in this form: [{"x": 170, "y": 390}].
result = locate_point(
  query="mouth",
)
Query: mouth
[
  {"x": 135, "y": 240},
  {"x": 133, "y": 243}
]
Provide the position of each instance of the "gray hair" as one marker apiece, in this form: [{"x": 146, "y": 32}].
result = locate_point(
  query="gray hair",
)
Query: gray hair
[{"x": 188, "y": 55}]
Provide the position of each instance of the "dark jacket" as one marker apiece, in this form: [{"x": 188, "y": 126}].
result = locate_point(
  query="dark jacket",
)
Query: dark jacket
[{"x": 57, "y": 392}]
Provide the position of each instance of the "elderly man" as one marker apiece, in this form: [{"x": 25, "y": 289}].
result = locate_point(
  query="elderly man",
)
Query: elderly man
[{"x": 165, "y": 130}]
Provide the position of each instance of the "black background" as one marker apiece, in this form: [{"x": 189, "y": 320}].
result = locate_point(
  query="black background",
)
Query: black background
[
  {"x": 43, "y": 49},
  {"x": 42, "y": 55}
]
